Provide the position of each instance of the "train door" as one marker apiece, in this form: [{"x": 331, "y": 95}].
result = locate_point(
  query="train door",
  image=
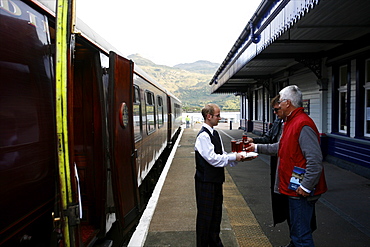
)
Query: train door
[
  {"x": 122, "y": 145},
  {"x": 28, "y": 145},
  {"x": 88, "y": 146}
]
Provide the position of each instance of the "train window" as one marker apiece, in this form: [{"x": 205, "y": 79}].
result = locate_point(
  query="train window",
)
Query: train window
[
  {"x": 177, "y": 113},
  {"x": 137, "y": 114},
  {"x": 20, "y": 108},
  {"x": 177, "y": 110},
  {"x": 150, "y": 111},
  {"x": 160, "y": 114}
]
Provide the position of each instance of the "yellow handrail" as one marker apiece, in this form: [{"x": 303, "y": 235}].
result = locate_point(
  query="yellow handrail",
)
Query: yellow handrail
[{"x": 61, "y": 74}]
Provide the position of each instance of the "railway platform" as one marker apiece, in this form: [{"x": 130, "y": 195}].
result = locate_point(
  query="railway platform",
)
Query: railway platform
[{"x": 343, "y": 213}]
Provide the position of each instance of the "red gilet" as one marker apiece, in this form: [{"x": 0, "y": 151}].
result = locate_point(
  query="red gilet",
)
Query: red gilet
[{"x": 290, "y": 153}]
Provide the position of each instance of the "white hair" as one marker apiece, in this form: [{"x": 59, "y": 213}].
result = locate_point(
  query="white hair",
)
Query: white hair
[{"x": 292, "y": 93}]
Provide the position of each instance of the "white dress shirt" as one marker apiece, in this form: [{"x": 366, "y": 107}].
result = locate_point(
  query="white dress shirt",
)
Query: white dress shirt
[{"x": 206, "y": 149}]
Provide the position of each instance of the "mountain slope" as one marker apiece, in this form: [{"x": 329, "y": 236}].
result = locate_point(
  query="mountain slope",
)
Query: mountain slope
[
  {"x": 189, "y": 82},
  {"x": 201, "y": 66}
]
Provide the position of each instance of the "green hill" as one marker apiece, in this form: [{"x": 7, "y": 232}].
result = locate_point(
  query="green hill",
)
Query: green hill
[
  {"x": 189, "y": 82},
  {"x": 201, "y": 66}
]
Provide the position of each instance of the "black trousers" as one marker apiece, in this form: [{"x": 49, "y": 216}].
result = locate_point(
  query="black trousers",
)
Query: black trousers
[
  {"x": 280, "y": 203},
  {"x": 209, "y": 200}
]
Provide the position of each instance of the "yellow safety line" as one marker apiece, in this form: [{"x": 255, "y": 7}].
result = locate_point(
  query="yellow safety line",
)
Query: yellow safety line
[{"x": 247, "y": 231}]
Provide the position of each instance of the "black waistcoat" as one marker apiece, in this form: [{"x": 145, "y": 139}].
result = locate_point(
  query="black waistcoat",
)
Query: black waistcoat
[{"x": 204, "y": 171}]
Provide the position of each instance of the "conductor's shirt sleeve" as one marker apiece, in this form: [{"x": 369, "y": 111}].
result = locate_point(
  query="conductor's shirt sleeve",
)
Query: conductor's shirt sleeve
[{"x": 205, "y": 148}]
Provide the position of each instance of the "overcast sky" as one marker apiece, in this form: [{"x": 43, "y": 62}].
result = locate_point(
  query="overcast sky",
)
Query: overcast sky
[{"x": 169, "y": 32}]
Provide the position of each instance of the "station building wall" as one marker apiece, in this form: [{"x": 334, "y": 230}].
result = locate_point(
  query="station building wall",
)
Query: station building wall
[
  {"x": 340, "y": 110},
  {"x": 306, "y": 81}
]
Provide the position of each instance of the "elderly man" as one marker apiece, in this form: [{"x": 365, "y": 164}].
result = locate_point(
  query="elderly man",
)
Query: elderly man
[{"x": 298, "y": 150}]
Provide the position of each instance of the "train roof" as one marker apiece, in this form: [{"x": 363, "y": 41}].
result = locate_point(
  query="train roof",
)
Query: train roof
[{"x": 88, "y": 33}]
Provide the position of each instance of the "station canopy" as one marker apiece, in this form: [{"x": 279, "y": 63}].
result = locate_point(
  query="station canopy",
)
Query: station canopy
[{"x": 286, "y": 35}]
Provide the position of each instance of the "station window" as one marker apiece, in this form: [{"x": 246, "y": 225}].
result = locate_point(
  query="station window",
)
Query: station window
[
  {"x": 150, "y": 111},
  {"x": 367, "y": 98},
  {"x": 260, "y": 104},
  {"x": 343, "y": 80},
  {"x": 255, "y": 105},
  {"x": 160, "y": 115},
  {"x": 137, "y": 114}
]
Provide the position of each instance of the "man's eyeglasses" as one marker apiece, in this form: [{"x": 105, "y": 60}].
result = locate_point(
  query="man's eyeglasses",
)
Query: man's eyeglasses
[
  {"x": 276, "y": 109},
  {"x": 218, "y": 115},
  {"x": 281, "y": 101}
]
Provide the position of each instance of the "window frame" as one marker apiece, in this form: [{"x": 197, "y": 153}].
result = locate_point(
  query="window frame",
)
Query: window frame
[
  {"x": 177, "y": 111},
  {"x": 138, "y": 135},
  {"x": 343, "y": 90},
  {"x": 150, "y": 103},
  {"x": 367, "y": 99},
  {"x": 160, "y": 112}
]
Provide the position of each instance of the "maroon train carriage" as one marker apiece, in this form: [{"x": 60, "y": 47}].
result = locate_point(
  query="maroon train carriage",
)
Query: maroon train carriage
[{"x": 120, "y": 123}]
